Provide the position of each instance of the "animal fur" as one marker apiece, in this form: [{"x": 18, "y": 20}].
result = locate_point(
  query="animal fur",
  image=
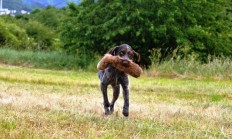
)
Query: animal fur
[{"x": 132, "y": 68}]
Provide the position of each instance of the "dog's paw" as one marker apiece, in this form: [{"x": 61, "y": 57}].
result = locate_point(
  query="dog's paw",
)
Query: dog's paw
[
  {"x": 107, "y": 111},
  {"x": 125, "y": 112},
  {"x": 111, "y": 108}
]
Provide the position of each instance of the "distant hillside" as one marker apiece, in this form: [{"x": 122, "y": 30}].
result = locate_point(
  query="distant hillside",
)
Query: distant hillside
[
  {"x": 44, "y": 3},
  {"x": 29, "y": 5},
  {"x": 17, "y": 5}
]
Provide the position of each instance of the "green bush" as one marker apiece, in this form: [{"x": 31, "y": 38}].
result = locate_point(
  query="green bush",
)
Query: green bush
[
  {"x": 13, "y": 36},
  {"x": 49, "y": 16},
  {"x": 42, "y": 35}
]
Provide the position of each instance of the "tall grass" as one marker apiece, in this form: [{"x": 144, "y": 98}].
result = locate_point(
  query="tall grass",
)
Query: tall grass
[
  {"x": 42, "y": 59},
  {"x": 189, "y": 67}
]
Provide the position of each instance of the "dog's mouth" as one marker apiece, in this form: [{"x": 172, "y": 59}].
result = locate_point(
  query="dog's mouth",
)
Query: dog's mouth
[{"x": 125, "y": 62}]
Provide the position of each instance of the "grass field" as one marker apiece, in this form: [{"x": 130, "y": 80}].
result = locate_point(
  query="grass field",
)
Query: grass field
[{"x": 37, "y": 103}]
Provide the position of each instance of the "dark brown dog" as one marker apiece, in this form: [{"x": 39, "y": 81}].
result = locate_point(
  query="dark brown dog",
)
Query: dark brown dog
[{"x": 115, "y": 78}]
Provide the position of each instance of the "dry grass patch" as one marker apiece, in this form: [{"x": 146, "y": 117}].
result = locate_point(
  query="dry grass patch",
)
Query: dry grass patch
[{"x": 68, "y": 104}]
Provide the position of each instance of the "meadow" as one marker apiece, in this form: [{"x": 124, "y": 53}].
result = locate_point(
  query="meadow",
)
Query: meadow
[
  {"x": 49, "y": 86},
  {"x": 39, "y": 103}
]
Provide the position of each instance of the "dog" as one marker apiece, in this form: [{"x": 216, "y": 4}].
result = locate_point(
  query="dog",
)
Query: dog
[{"x": 115, "y": 78}]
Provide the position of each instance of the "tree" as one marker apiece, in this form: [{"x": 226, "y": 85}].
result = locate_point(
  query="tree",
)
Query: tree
[
  {"x": 50, "y": 16},
  {"x": 188, "y": 27},
  {"x": 13, "y": 36},
  {"x": 42, "y": 35},
  {"x": 43, "y": 25}
]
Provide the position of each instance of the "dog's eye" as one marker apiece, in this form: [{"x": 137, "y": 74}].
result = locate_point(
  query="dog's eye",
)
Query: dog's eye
[
  {"x": 121, "y": 53},
  {"x": 130, "y": 56}
]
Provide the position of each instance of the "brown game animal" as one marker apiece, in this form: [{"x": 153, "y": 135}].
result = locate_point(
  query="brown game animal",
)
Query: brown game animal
[{"x": 124, "y": 65}]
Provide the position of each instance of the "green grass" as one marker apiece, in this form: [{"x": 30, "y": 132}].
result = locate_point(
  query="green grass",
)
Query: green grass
[
  {"x": 189, "y": 68},
  {"x": 44, "y": 59},
  {"x": 36, "y": 103}
]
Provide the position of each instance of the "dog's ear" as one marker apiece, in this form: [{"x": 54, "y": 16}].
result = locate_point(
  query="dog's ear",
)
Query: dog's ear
[
  {"x": 137, "y": 56},
  {"x": 113, "y": 51}
]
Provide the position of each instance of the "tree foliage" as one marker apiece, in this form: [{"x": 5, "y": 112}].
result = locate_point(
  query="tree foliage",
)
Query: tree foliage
[
  {"x": 198, "y": 28},
  {"x": 43, "y": 25},
  {"x": 39, "y": 30},
  {"x": 50, "y": 16},
  {"x": 13, "y": 36},
  {"x": 170, "y": 27}
]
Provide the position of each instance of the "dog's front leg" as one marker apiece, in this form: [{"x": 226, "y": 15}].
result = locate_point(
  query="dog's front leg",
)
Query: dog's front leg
[
  {"x": 116, "y": 91},
  {"x": 125, "y": 111},
  {"x": 125, "y": 86},
  {"x": 105, "y": 98}
]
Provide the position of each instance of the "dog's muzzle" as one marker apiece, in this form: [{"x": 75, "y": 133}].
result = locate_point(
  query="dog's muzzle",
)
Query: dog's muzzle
[{"x": 125, "y": 62}]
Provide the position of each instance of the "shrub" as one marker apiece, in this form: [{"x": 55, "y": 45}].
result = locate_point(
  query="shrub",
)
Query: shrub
[
  {"x": 13, "y": 36},
  {"x": 42, "y": 35}
]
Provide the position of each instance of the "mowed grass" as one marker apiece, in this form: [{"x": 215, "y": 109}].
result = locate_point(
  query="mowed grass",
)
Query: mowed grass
[{"x": 37, "y": 103}]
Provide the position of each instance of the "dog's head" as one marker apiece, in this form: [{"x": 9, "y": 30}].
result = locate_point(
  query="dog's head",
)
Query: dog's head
[{"x": 125, "y": 52}]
